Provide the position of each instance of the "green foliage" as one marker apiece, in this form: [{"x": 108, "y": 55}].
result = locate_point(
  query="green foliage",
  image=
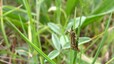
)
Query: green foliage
[
  {"x": 47, "y": 33},
  {"x": 53, "y": 54},
  {"x": 70, "y": 6},
  {"x": 100, "y": 11},
  {"x": 55, "y": 28},
  {"x": 56, "y": 42}
]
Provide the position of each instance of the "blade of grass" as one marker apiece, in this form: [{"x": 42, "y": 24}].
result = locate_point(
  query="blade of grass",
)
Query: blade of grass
[
  {"x": 30, "y": 43},
  {"x": 18, "y": 9},
  {"x": 24, "y": 30},
  {"x": 30, "y": 23},
  {"x": 3, "y": 27},
  {"x": 75, "y": 52},
  {"x": 12, "y": 10},
  {"x": 70, "y": 5},
  {"x": 78, "y": 34},
  {"x": 32, "y": 29},
  {"x": 38, "y": 4},
  {"x": 100, "y": 11},
  {"x": 110, "y": 61},
  {"x": 103, "y": 39},
  {"x": 58, "y": 11}
]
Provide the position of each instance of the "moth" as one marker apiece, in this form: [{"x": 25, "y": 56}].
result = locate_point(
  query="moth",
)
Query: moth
[{"x": 74, "y": 42}]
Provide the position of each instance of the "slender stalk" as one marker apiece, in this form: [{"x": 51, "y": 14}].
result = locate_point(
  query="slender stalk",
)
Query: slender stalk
[
  {"x": 30, "y": 23},
  {"x": 58, "y": 12},
  {"x": 75, "y": 56},
  {"x": 30, "y": 43},
  {"x": 110, "y": 61},
  {"x": 103, "y": 39},
  {"x": 22, "y": 25},
  {"x": 38, "y": 4},
  {"x": 17, "y": 8},
  {"x": 2, "y": 26},
  {"x": 32, "y": 26},
  {"x": 75, "y": 52}
]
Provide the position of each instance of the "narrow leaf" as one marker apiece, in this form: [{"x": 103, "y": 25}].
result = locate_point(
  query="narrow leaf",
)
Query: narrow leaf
[
  {"x": 53, "y": 54},
  {"x": 56, "y": 41},
  {"x": 55, "y": 28},
  {"x": 70, "y": 6},
  {"x": 100, "y": 11},
  {"x": 77, "y": 21},
  {"x": 63, "y": 41},
  {"x": 83, "y": 40}
]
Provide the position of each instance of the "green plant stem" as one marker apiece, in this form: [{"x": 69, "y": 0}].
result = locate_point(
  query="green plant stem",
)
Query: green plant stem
[
  {"x": 93, "y": 42},
  {"x": 30, "y": 43},
  {"x": 103, "y": 39},
  {"x": 80, "y": 56},
  {"x": 32, "y": 30},
  {"x": 75, "y": 57},
  {"x": 38, "y": 4},
  {"x": 58, "y": 12},
  {"x": 75, "y": 52},
  {"x": 22, "y": 26},
  {"x": 110, "y": 61},
  {"x": 2, "y": 28},
  {"x": 5, "y": 14}
]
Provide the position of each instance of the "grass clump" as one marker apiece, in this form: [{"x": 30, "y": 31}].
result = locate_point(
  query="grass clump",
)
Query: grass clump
[{"x": 39, "y": 31}]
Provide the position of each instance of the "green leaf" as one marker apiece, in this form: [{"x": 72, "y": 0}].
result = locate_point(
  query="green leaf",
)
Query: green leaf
[
  {"x": 83, "y": 40},
  {"x": 55, "y": 28},
  {"x": 72, "y": 21},
  {"x": 17, "y": 23},
  {"x": 13, "y": 12},
  {"x": 100, "y": 11},
  {"x": 104, "y": 7},
  {"x": 31, "y": 43},
  {"x": 22, "y": 52},
  {"x": 70, "y": 6},
  {"x": 56, "y": 41},
  {"x": 63, "y": 41},
  {"x": 53, "y": 54}
]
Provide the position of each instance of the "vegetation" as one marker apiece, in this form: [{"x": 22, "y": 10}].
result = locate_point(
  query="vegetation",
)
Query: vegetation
[{"x": 56, "y": 32}]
